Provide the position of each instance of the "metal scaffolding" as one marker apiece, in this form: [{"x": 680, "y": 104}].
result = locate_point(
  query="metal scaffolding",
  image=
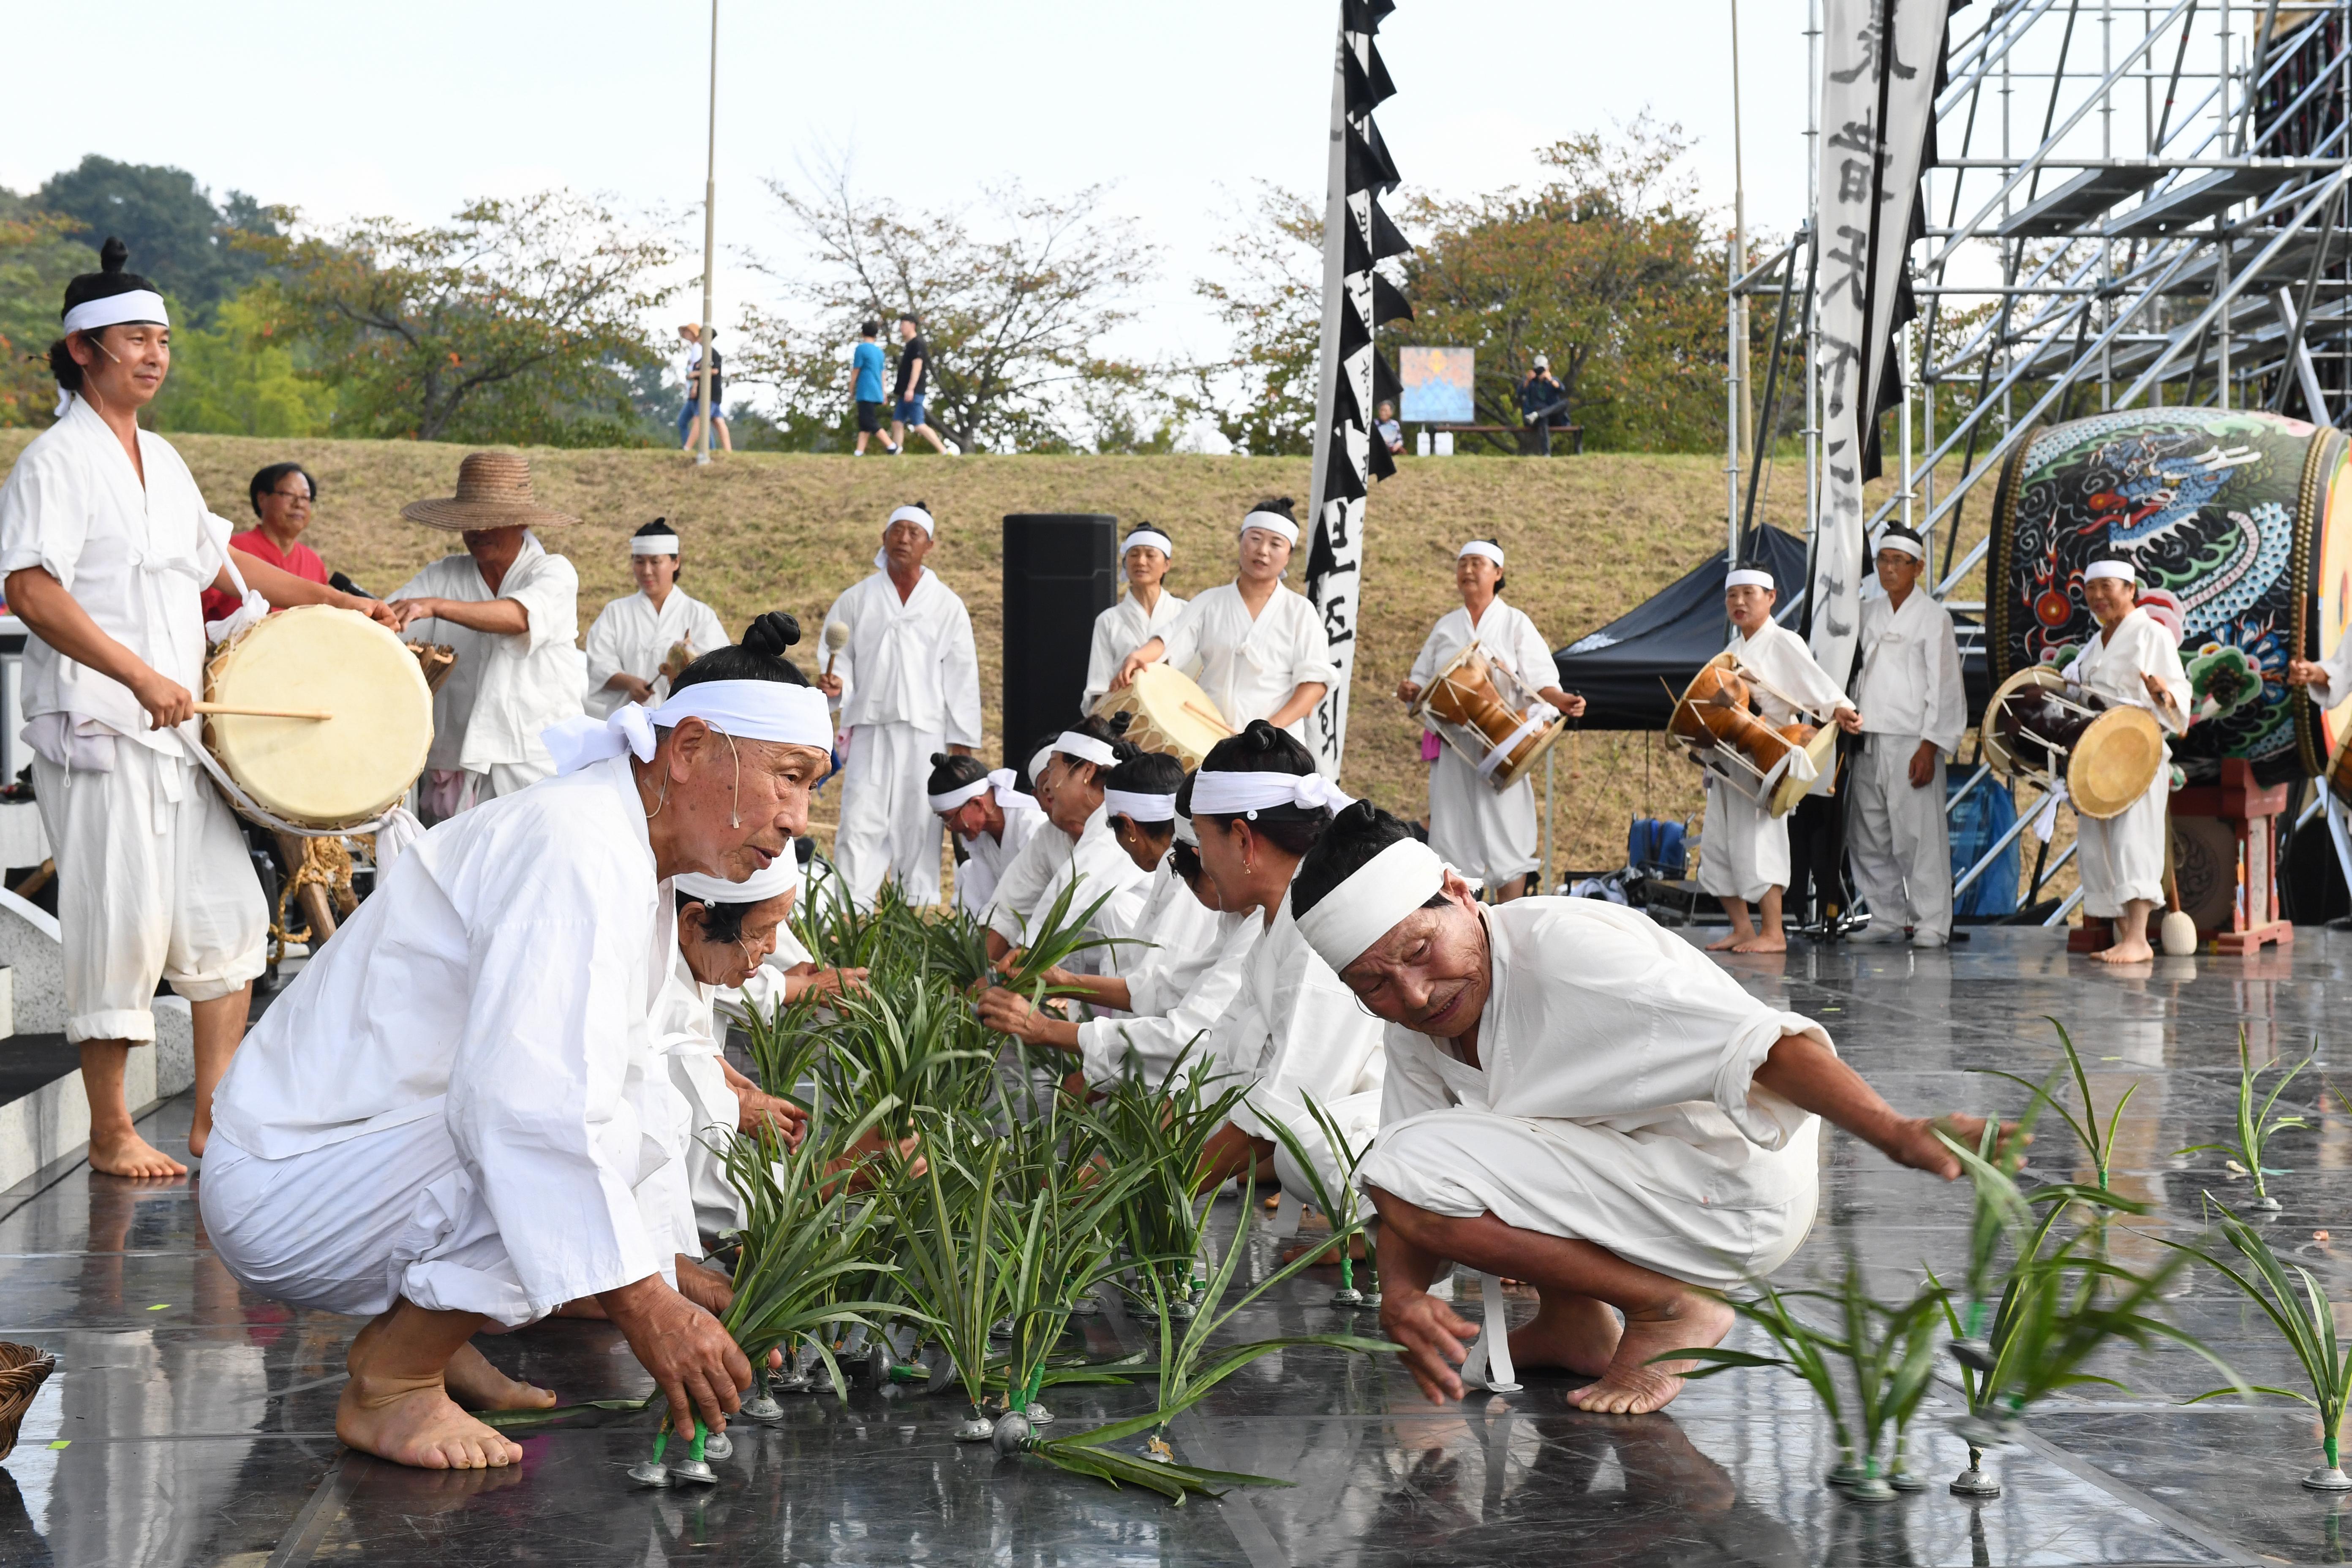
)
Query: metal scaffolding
[{"x": 2133, "y": 204}]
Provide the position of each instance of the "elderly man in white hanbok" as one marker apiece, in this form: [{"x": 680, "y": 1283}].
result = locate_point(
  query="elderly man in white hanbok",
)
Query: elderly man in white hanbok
[
  {"x": 1170, "y": 985},
  {"x": 1145, "y": 611},
  {"x": 511, "y": 610},
  {"x": 108, "y": 546},
  {"x": 1075, "y": 848},
  {"x": 987, "y": 813},
  {"x": 2132, "y": 660},
  {"x": 1483, "y": 832},
  {"x": 1579, "y": 1099},
  {"x": 1914, "y": 708},
  {"x": 495, "y": 1135},
  {"x": 633, "y": 642},
  {"x": 1743, "y": 847},
  {"x": 905, "y": 684},
  {"x": 1257, "y": 648}
]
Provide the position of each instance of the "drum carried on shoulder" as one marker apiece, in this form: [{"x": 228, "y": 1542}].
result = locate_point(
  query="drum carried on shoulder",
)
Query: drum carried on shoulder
[
  {"x": 319, "y": 717},
  {"x": 1492, "y": 718},
  {"x": 2041, "y": 728},
  {"x": 1167, "y": 712},
  {"x": 1715, "y": 724}
]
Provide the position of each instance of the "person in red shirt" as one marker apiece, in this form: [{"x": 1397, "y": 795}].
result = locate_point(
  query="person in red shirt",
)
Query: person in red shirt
[{"x": 282, "y": 495}]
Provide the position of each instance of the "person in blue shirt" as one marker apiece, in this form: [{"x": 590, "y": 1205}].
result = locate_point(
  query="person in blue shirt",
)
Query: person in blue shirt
[{"x": 866, "y": 366}]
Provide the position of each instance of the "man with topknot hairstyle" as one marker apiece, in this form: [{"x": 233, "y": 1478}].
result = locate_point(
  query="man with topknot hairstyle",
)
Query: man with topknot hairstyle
[{"x": 106, "y": 547}]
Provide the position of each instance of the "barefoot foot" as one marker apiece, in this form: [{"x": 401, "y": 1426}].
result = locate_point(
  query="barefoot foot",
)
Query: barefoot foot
[
  {"x": 1630, "y": 1386},
  {"x": 413, "y": 1420},
  {"x": 1770, "y": 942},
  {"x": 1577, "y": 1333},
  {"x": 2127, "y": 952},
  {"x": 1732, "y": 943},
  {"x": 476, "y": 1384},
  {"x": 123, "y": 1152}
]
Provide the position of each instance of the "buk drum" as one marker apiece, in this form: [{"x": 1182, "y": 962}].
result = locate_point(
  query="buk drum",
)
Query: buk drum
[
  {"x": 337, "y": 770},
  {"x": 2240, "y": 523},
  {"x": 1492, "y": 718},
  {"x": 1167, "y": 712},
  {"x": 2041, "y": 729},
  {"x": 1715, "y": 723}
]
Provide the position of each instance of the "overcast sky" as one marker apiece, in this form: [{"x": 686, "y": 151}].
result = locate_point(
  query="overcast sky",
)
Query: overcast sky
[{"x": 343, "y": 109}]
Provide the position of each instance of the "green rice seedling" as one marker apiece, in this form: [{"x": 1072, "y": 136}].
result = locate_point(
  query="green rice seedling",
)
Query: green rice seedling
[
  {"x": 2097, "y": 1137},
  {"x": 1188, "y": 1371},
  {"x": 947, "y": 1215},
  {"x": 897, "y": 1046},
  {"x": 1164, "y": 1132},
  {"x": 2256, "y": 1125},
  {"x": 1343, "y": 1208},
  {"x": 1061, "y": 937},
  {"x": 1999, "y": 1211},
  {"x": 2061, "y": 1303},
  {"x": 2299, "y": 1309}
]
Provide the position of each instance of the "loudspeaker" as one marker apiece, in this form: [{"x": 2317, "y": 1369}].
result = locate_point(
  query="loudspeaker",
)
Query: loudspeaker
[{"x": 1061, "y": 571}]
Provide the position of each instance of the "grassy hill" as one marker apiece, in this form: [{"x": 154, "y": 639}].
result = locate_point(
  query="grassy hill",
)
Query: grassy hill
[{"x": 1588, "y": 538}]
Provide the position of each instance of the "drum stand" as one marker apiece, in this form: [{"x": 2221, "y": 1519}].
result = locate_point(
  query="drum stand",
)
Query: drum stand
[{"x": 2252, "y": 813}]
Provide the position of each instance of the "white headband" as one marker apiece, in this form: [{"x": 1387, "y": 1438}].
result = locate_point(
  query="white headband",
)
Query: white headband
[
  {"x": 1247, "y": 794},
  {"x": 1368, "y": 903},
  {"x": 1003, "y": 780},
  {"x": 1186, "y": 832},
  {"x": 1746, "y": 577},
  {"x": 914, "y": 514},
  {"x": 1037, "y": 764},
  {"x": 747, "y": 710},
  {"x": 782, "y": 875},
  {"x": 1274, "y": 522},
  {"x": 1911, "y": 547},
  {"x": 1137, "y": 806},
  {"x": 2099, "y": 569},
  {"x": 1086, "y": 748},
  {"x": 956, "y": 797},
  {"x": 653, "y": 545},
  {"x": 1152, "y": 536},
  {"x": 1480, "y": 547},
  {"x": 138, "y": 305}
]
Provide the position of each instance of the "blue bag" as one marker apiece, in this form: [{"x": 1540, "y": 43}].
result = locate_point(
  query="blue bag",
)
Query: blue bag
[
  {"x": 1986, "y": 814},
  {"x": 1656, "y": 849}
]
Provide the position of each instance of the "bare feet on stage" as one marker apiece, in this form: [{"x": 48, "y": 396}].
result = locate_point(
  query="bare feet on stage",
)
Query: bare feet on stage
[
  {"x": 1630, "y": 1386},
  {"x": 1768, "y": 942},
  {"x": 1739, "y": 934},
  {"x": 1576, "y": 1334},
  {"x": 2127, "y": 952},
  {"x": 475, "y": 1383},
  {"x": 120, "y": 1152},
  {"x": 413, "y": 1420}
]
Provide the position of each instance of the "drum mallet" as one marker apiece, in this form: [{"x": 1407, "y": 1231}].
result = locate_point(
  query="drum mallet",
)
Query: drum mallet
[
  {"x": 836, "y": 637},
  {"x": 241, "y": 712}
]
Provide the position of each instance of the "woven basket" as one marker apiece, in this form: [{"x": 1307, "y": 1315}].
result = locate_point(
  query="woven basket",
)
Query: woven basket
[{"x": 23, "y": 1369}]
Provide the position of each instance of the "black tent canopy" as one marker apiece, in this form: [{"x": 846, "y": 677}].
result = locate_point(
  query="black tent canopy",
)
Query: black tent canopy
[{"x": 1630, "y": 671}]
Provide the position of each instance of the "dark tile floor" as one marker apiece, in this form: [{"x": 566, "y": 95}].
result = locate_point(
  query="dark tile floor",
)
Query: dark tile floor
[{"x": 192, "y": 1423}]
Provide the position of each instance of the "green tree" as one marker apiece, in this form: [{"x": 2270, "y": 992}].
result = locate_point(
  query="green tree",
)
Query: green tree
[
  {"x": 1261, "y": 396},
  {"x": 243, "y": 376},
  {"x": 1014, "y": 298},
  {"x": 1608, "y": 268},
  {"x": 37, "y": 261},
  {"x": 515, "y": 321},
  {"x": 196, "y": 253}
]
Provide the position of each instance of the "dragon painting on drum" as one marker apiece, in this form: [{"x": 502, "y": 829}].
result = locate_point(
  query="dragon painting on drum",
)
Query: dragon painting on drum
[{"x": 2227, "y": 514}]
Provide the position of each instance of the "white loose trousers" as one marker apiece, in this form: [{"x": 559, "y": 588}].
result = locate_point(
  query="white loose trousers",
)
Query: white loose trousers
[
  {"x": 1898, "y": 840},
  {"x": 2122, "y": 858},
  {"x": 1476, "y": 830},
  {"x": 153, "y": 881},
  {"x": 887, "y": 826},
  {"x": 1743, "y": 847}
]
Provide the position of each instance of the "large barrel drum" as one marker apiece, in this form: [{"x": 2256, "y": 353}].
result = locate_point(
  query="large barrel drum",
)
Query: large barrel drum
[{"x": 2240, "y": 525}]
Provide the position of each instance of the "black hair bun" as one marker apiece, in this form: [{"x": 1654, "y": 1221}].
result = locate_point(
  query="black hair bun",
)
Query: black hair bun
[
  {"x": 940, "y": 759},
  {"x": 772, "y": 634},
  {"x": 1282, "y": 506},
  {"x": 1360, "y": 815},
  {"x": 112, "y": 255},
  {"x": 1259, "y": 736},
  {"x": 1120, "y": 723}
]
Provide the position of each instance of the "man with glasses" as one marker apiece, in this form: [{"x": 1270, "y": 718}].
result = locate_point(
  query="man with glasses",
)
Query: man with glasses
[{"x": 282, "y": 496}]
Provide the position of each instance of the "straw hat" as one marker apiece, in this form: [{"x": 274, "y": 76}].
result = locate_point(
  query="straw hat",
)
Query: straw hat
[{"x": 493, "y": 491}]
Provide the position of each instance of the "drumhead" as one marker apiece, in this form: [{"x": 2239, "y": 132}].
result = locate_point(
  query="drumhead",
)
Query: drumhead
[
  {"x": 1995, "y": 750},
  {"x": 320, "y": 772},
  {"x": 2115, "y": 761},
  {"x": 1171, "y": 714}
]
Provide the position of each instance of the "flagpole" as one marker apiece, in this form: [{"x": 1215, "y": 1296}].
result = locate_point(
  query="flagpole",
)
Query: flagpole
[{"x": 710, "y": 232}]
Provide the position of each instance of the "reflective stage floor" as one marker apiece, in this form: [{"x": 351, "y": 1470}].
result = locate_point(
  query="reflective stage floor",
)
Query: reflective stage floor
[{"x": 190, "y": 1423}]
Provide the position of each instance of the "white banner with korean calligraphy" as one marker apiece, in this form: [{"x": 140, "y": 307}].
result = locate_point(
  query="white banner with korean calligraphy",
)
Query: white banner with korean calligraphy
[{"x": 1878, "y": 90}]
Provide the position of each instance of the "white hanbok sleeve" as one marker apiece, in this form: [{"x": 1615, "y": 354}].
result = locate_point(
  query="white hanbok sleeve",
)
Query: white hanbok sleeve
[
  {"x": 1424, "y": 663},
  {"x": 960, "y": 680},
  {"x": 2335, "y": 682},
  {"x": 1153, "y": 1041},
  {"x": 1787, "y": 664},
  {"x": 1103, "y": 659},
  {"x": 550, "y": 596},
  {"x": 1182, "y": 640},
  {"x": 1531, "y": 658},
  {"x": 2160, "y": 657},
  {"x": 44, "y": 514},
  {"x": 606, "y": 653},
  {"x": 1310, "y": 647},
  {"x": 705, "y": 631},
  {"x": 1947, "y": 697},
  {"x": 535, "y": 1103},
  {"x": 1019, "y": 888},
  {"x": 1413, "y": 1085}
]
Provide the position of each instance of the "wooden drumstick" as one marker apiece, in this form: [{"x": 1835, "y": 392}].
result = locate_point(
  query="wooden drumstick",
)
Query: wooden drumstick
[
  {"x": 1216, "y": 718},
  {"x": 241, "y": 712}
]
